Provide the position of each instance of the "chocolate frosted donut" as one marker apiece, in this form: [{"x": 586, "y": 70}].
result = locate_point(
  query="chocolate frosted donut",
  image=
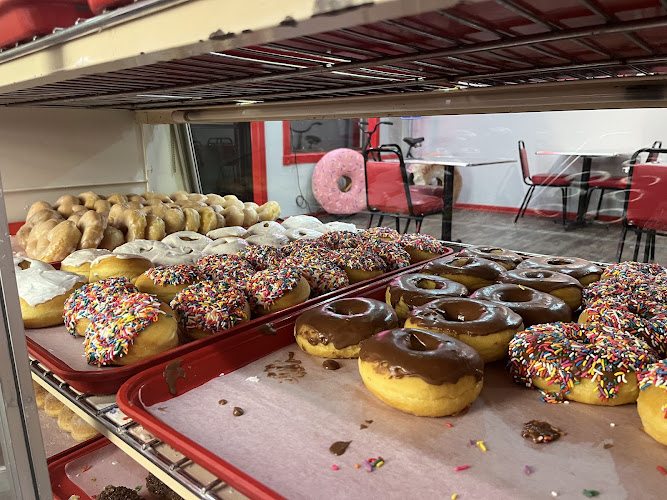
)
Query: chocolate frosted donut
[
  {"x": 533, "y": 306},
  {"x": 506, "y": 258},
  {"x": 408, "y": 291},
  {"x": 486, "y": 326},
  {"x": 420, "y": 372},
  {"x": 559, "y": 285},
  {"x": 586, "y": 272},
  {"x": 335, "y": 329},
  {"x": 473, "y": 272}
]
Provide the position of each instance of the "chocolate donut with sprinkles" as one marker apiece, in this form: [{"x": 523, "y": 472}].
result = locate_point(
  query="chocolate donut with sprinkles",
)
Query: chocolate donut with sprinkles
[
  {"x": 166, "y": 281},
  {"x": 587, "y": 363},
  {"x": 225, "y": 267},
  {"x": 422, "y": 246},
  {"x": 273, "y": 290},
  {"x": 129, "y": 329},
  {"x": 88, "y": 300},
  {"x": 262, "y": 256},
  {"x": 359, "y": 264},
  {"x": 322, "y": 276},
  {"x": 652, "y": 400},
  {"x": 210, "y": 307}
]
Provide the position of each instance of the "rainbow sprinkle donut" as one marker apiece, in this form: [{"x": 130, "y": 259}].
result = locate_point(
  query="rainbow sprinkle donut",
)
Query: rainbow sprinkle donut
[
  {"x": 225, "y": 267},
  {"x": 421, "y": 246},
  {"x": 262, "y": 256},
  {"x": 383, "y": 233},
  {"x": 276, "y": 289},
  {"x": 652, "y": 400},
  {"x": 392, "y": 253},
  {"x": 322, "y": 276},
  {"x": 586, "y": 363},
  {"x": 337, "y": 240}
]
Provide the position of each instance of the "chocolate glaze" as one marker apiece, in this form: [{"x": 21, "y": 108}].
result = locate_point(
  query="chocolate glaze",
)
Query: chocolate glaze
[
  {"x": 345, "y": 322},
  {"x": 289, "y": 370},
  {"x": 409, "y": 287},
  {"x": 540, "y": 432},
  {"x": 339, "y": 447},
  {"x": 331, "y": 364},
  {"x": 572, "y": 266},
  {"x": 238, "y": 411},
  {"x": 533, "y": 306},
  {"x": 505, "y": 258},
  {"x": 435, "y": 358},
  {"x": 172, "y": 372},
  {"x": 267, "y": 329},
  {"x": 465, "y": 316},
  {"x": 539, "y": 279},
  {"x": 222, "y": 402},
  {"x": 468, "y": 266}
]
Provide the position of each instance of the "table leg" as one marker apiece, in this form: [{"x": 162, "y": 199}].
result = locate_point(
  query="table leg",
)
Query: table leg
[
  {"x": 582, "y": 183},
  {"x": 448, "y": 203}
]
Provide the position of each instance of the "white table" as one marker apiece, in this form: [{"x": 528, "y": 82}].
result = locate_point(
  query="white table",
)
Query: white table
[
  {"x": 583, "y": 179},
  {"x": 449, "y": 163}
]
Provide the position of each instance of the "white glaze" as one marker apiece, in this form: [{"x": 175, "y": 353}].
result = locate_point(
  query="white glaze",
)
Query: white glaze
[
  {"x": 119, "y": 256},
  {"x": 339, "y": 226},
  {"x": 176, "y": 256},
  {"x": 140, "y": 247},
  {"x": 81, "y": 257},
  {"x": 224, "y": 232},
  {"x": 303, "y": 221},
  {"x": 227, "y": 246},
  {"x": 34, "y": 263},
  {"x": 266, "y": 227},
  {"x": 272, "y": 240},
  {"x": 194, "y": 240},
  {"x": 302, "y": 233},
  {"x": 37, "y": 286}
]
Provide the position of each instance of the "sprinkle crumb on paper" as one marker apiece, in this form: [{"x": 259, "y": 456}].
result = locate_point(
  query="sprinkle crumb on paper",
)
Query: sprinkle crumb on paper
[{"x": 252, "y": 379}]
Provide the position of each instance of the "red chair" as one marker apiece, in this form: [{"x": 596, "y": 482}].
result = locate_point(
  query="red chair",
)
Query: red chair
[
  {"x": 388, "y": 192},
  {"x": 645, "y": 209},
  {"x": 539, "y": 180},
  {"x": 606, "y": 183}
]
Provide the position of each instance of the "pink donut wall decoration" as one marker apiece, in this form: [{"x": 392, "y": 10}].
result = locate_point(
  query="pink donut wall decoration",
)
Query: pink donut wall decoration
[{"x": 338, "y": 164}]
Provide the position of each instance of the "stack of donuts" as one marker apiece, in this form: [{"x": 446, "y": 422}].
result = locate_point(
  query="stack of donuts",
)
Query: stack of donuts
[{"x": 89, "y": 220}]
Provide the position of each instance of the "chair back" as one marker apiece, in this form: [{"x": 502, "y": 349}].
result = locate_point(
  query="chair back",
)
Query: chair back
[
  {"x": 646, "y": 203},
  {"x": 653, "y": 155},
  {"x": 523, "y": 160},
  {"x": 387, "y": 181}
]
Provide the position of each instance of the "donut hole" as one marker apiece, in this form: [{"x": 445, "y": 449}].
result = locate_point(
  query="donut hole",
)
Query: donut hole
[
  {"x": 186, "y": 238},
  {"x": 514, "y": 295},
  {"x": 416, "y": 341},
  {"x": 426, "y": 284},
  {"x": 344, "y": 183},
  {"x": 538, "y": 274},
  {"x": 348, "y": 307},
  {"x": 559, "y": 262},
  {"x": 461, "y": 261},
  {"x": 491, "y": 250}
]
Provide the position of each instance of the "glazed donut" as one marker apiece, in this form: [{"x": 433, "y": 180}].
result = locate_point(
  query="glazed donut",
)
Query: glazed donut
[
  {"x": 210, "y": 307},
  {"x": 509, "y": 260},
  {"x": 339, "y": 226},
  {"x": 61, "y": 241},
  {"x": 136, "y": 198},
  {"x": 224, "y": 232},
  {"x": 337, "y": 240},
  {"x": 231, "y": 200},
  {"x": 174, "y": 220},
  {"x": 422, "y": 246},
  {"x": 37, "y": 207},
  {"x": 383, "y": 233},
  {"x": 23, "y": 234},
  {"x": 233, "y": 216},
  {"x": 112, "y": 238},
  {"x": 187, "y": 239},
  {"x": 652, "y": 400},
  {"x": 64, "y": 205},
  {"x": 392, "y": 253},
  {"x": 192, "y": 219},
  {"x": 155, "y": 228},
  {"x": 251, "y": 204},
  {"x": 75, "y": 217},
  {"x": 272, "y": 240},
  {"x": 322, "y": 276},
  {"x": 485, "y": 326},
  {"x": 420, "y": 372},
  {"x": 533, "y": 306},
  {"x": 144, "y": 248},
  {"x": 303, "y": 222},
  {"x": 115, "y": 198},
  {"x": 38, "y": 238},
  {"x": 42, "y": 294},
  {"x": 585, "y": 271},
  {"x": 359, "y": 264},
  {"x": 88, "y": 199},
  {"x": 91, "y": 224},
  {"x": 267, "y": 227},
  {"x": 559, "y": 285},
  {"x": 276, "y": 289},
  {"x": 166, "y": 281},
  {"x": 208, "y": 220},
  {"x": 79, "y": 262},
  {"x": 191, "y": 204},
  {"x": 228, "y": 245},
  {"x": 302, "y": 234},
  {"x": 269, "y": 211},
  {"x": 130, "y": 329},
  {"x": 580, "y": 362},
  {"x": 116, "y": 265},
  {"x": 214, "y": 199},
  {"x": 334, "y": 166},
  {"x": 179, "y": 195},
  {"x": 336, "y": 329},
  {"x": 197, "y": 197},
  {"x": 89, "y": 299},
  {"x": 102, "y": 207},
  {"x": 473, "y": 272},
  {"x": 23, "y": 263},
  {"x": 225, "y": 268},
  {"x": 250, "y": 216},
  {"x": 261, "y": 256},
  {"x": 408, "y": 291},
  {"x": 116, "y": 211},
  {"x": 132, "y": 223}
]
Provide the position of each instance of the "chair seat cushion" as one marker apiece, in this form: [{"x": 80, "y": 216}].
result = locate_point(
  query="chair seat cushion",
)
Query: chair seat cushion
[
  {"x": 421, "y": 204},
  {"x": 550, "y": 180},
  {"x": 656, "y": 225},
  {"x": 609, "y": 182},
  {"x": 427, "y": 190}
]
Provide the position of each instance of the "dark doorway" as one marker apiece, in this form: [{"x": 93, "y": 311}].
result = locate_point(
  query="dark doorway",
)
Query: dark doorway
[{"x": 224, "y": 158}]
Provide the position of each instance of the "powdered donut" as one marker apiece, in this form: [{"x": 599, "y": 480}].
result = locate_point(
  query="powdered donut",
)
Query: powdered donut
[
  {"x": 303, "y": 222},
  {"x": 272, "y": 240},
  {"x": 187, "y": 239},
  {"x": 340, "y": 164},
  {"x": 226, "y": 245}
]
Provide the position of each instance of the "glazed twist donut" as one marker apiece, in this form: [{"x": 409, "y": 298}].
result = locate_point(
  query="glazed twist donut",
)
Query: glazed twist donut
[
  {"x": 117, "y": 198},
  {"x": 116, "y": 210},
  {"x": 190, "y": 204},
  {"x": 132, "y": 223},
  {"x": 136, "y": 198},
  {"x": 208, "y": 220},
  {"x": 192, "y": 219},
  {"x": 65, "y": 204},
  {"x": 36, "y": 207},
  {"x": 62, "y": 241},
  {"x": 91, "y": 224},
  {"x": 37, "y": 240},
  {"x": 234, "y": 216},
  {"x": 215, "y": 199},
  {"x": 88, "y": 199},
  {"x": 179, "y": 195},
  {"x": 155, "y": 228},
  {"x": 269, "y": 211},
  {"x": 102, "y": 207},
  {"x": 197, "y": 197},
  {"x": 112, "y": 238},
  {"x": 231, "y": 200},
  {"x": 250, "y": 216},
  {"x": 40, "y": 216}
]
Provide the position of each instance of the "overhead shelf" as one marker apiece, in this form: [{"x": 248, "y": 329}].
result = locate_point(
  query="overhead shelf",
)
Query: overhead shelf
[{"x": 248, "y": 53}]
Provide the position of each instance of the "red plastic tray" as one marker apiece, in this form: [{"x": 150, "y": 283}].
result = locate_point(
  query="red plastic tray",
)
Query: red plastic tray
[
  {"x": 98, "y": 6},
  {"x": 20, "y": 20},
  {"x": 108, "y": 380}
]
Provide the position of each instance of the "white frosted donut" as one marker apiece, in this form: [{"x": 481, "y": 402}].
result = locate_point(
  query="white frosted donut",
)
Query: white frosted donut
[
  {"x": 339, "y": 226},
  {"x": 176, "y": 256},
  {"x": 187, "y": 239},
  {"x": 303, "y": 221},
  {"x": 141, "y": 247},
  {"x": 25, "y": 263},
  {"x": 302, "y": 233},
  {"x": 37, "y": 286},
  {"x": 266, "y": 227},
  {"x": 224, "y": 232},
  {"x": 272, "y": 240},
  {"x": 228, "y": 245},
  {"x": 80, "y": 257}
]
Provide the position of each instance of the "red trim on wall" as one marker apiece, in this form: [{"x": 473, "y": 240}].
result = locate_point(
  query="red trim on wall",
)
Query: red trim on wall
[
  {"x": 375, "y": 140},
  {"x": 258, "y": 147},
  {"x": 14, "y": 227},
  {"x": 534, "y": 212}
]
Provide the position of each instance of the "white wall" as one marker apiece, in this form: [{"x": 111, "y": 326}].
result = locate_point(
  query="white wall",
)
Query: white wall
[{"x": 45, "y": 153}]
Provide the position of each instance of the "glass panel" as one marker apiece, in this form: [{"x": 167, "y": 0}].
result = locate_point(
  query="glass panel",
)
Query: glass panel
[
  {"x": 6, "y": 487},
  {"x": 312, "y": 136}
]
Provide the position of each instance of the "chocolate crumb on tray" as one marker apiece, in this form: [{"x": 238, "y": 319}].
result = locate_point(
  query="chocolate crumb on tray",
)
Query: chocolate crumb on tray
[
  {"x": 541, "y": 432},
  {"x": 118, "y": 493},
  {"x": 160, "y": 490}
]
